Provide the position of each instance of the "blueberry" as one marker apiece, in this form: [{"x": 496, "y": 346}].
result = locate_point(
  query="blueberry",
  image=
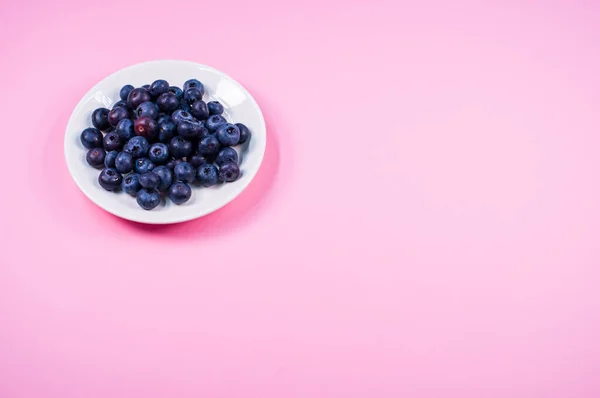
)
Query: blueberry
[
  {"x": 112, "y": 141},
  {"x": 166, "y": 131},
  {"x": 173, "y": 162},
  {"x": 125, "y": 91},
  {"x": 245, "y": 133},
  {"x": 165, "y": 175},
  {"x": 197, "y": 160},
  {"x": 163, "y": 117},
  {"x": 124, "y": 162},
  {"x": 95, "y": 157},
  {"x": 158, "y": 87},
  {"x": 147, "y": 127},
  {"x": 100, "y": 119},
  {"x": 138, "y": 96},
  {"x": 226, "y": 155},
  {"x": 179, "y": 147},
  {"x": 167, "y": 102},
  {"x": 149, "y": 180},
  {"x": 214, "y": 122},
  {"x": 143, "y": 165},
  {"x": 147, "y": 109},
  {"x": 110, "y": 179},
  {"x": 192, "y": 95},
  {"x": 116, "y": 114},
  {"x": 125, "y": 129},
  {"x": 229, "y": 172},
  {"x": 131, "y": 184},
  {"x": 148, "y": 199},
  {"x": 199, "y": 110},
  {"x": 181, "y": 116},
  {"x": 228, "y": 134},
  {"x": 189, "y": 129},
  {"x": 121, "y": 103},
  {"x": 159, "y": 153},
  {"x": 137, "y": 147},
  {"x": 146, "y": 87},
  {"x": 208, "y": 175},
  {"x": 180, "y": 192},
  {"x": 215, "y": 108},
  {"x": 109, "y": 159},
  {"x": 193, "y": 83},
  {"x": 185, "y": 172},
  {"x": 91, "y": 138},
  {"x": 177, "y": 91},
  {"x": 209, "y": 145},
  {"x": 184, "y": 106}
]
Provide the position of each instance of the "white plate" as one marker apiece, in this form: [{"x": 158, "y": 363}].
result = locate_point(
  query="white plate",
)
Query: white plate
[{"x": 239, "y": 106}]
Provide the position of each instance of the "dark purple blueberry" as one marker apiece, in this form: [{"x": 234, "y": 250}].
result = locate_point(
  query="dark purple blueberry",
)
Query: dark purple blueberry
[
  {"x": 228, "y": 134},
  {"x": 143, "y": 165},
  {"x": 167, "y": 102},
  {"x": 229, "y": 172},
  {"x": 112, "y": 141},
  {"x": 166, "y": 131},
  {"x": 165, "y": 175},
  {"x": 125, "y": 129},
  {"x": 199, "y": 110},
  {"x": 146, "y": 127},
  {"x": 149, "y": 180},
  {"x": 158, "y": 87},
  {"x": 109, "y": 159},
  {"x": 180, "y": 192},
  {"x": 124, "y": 162},
  {"x": 131, "y": 184},
  {"x": 215, "y": 108},
  {"x": 207, "y": 175},
  {"x": 137, "y": 146},
  {"x": 148, "y": 199},
  {"x": 124, "y": 93},
  {"x": 214, "y": 122},
  {"x": 226, "y": 155},
  {"x": 138, "y": 96},
  {"x": 159, "y": 153},
  {"x": 110, "y": 179},
  {"x": 173, "y": 162},
  {"x": 147, "y": 109},
  {"x": 197, "y": 160},
  {"x": 189, "y": 129},
  {"x": 179, "y": 147},
  {"x": 245, "y": 133},
  {"x": 121, "y": 103},
  {"x": 192, "y": 95},
  {"x": 184, "y": 106},
  {"x": 193, "y": 83},
  {"x": 185, "y": 172},
  {"x": 146, "y": 87},
  {"x": 163, "y": 117},
  {"x": 91, "y": 138},
  {"x": 117, "y": 114},
  {"x": 177, "y": 91},
  {"x": 180, "y": 116},
  {"x": 209, "y": 145},
  {"x": 100, "y": 119},
  {"x": 95, "y": 157}
]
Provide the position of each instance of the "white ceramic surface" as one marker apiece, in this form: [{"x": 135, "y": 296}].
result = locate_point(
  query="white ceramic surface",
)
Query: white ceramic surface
[{"x": 239, "y": 106}]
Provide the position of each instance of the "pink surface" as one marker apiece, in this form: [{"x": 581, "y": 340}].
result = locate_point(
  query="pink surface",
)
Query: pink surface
[{"x": 425, "y": 224}]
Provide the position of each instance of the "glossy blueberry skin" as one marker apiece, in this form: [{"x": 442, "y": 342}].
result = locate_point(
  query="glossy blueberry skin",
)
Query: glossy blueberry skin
[
  {"x": 148, "y": 199},
  {"x": 143, "y": 165},
  {"x": 173, "y": 162},
  {"x": 208, "y": 175},
  {"x": 91, "y": 138},
  {"x": 147, "y": 109},
  {"x": 245, "y": 133},
  {"x": 209, "y": 145},
  {"x": 158, "y": 87},
  {"x": 197, "y": 160},
  {"x": 121, "y": 103},
  {"x": 192, "y": 95},
  {"x": 163, "y": 117},
  {"x": 159, "y": 153},
  {"x": 167, "y": 102},
  {"x": 199, "y": 110},
  {"x": 138, "y": 96},
  {"x": 215, "y": 108},
  {"x": 112, "y": 141},
  {"x": 166, "y": 131},
  {"x": 179, "y": 147},
  {"x": 189, "y": 130},
  {"x": 185, "y": 172},
  {"x": 229, "y": 172},
  {"x": 214, "y": 122},
  {"x": 131, "y": 184},
  {"x": 137, "y": 147},
  {"x": 181, "y": 116},
  {"x": 177, "y": 91},
  {"x": 109, "y": 159},
  {"x": 226, "y": 155},
  {"x": 146, "y": 127},
  {"x": 110, "y": 179},
  {"x": 180, "y": 192},
  {"x": 116, "y": 114},
  {"x": 149, "y": 180},
  {"x": 165, "y": 175},
  {"x": 146, "y": 87},
  {"x": 124, "y": 162},
  {"x": 125, "y": 129},
  {"x": 100, "y": 119},
  {"x": 193, "y": 83},
  {"x": 228, "y": 134},
  {"x": 124, "y": 93},
  {"x": 95, "y": 157}
]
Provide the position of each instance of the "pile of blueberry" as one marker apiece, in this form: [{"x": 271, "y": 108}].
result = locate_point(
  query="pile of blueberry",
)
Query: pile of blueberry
[{"x": 159, "y": 139}]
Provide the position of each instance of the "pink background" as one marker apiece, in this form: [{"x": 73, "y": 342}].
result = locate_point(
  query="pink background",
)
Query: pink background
[{"x": 425, "y": 223}]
